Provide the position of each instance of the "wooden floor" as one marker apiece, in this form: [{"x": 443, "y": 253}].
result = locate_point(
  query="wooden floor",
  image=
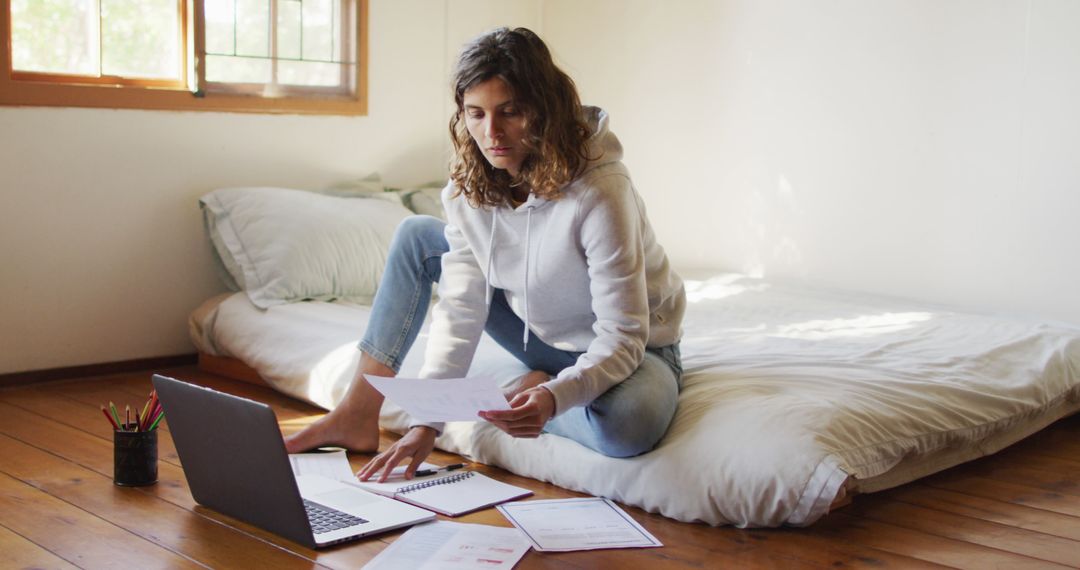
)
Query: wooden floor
[{"x": 59, "y": 508}]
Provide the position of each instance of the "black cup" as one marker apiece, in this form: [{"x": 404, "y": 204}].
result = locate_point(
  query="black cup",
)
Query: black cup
[{"x": 134, "y": 457}]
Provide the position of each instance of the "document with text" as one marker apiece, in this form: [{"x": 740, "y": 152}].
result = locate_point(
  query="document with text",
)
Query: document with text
[
  {"x": 577, "y": 524},
  {"x": 445, "y": 545}
]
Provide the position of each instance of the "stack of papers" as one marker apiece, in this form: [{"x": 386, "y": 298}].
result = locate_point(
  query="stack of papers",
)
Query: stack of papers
[{"x": 559, "y": 525}]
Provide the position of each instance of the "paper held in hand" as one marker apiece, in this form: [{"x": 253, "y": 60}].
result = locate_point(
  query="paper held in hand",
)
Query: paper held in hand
[{"x": 446, "y": 400}]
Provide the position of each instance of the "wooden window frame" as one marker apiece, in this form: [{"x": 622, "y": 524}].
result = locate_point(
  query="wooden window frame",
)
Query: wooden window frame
[{"x": 32, "y": 89}]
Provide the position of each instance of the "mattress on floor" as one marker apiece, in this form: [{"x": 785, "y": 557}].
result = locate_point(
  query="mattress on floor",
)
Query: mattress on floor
[{"x": 788, "y": 392}]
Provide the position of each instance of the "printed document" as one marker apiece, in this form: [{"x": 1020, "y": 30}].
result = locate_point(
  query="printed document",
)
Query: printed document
[
  {"x": 577, "y": 524},
  {"x": 449, "y": 400},
  {"x": 445, "y": 545},
  {"x": 332, "y": 465}
]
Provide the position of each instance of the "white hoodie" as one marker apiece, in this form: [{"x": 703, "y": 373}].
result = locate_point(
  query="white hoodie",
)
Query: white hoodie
[{"x": 584, "y": 273}]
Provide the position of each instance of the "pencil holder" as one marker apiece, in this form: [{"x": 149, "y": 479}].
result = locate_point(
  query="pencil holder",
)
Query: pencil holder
[{"x": 134, "y": 457}]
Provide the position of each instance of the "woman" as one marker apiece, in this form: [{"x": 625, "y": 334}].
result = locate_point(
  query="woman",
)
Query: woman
[{"x": 547, "y": 248}]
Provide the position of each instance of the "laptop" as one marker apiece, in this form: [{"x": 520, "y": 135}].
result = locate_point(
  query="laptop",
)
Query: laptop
[{"x": 235, "y": 462}]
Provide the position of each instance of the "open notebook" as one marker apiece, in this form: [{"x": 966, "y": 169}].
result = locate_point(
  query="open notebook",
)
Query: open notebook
[{"x": 450, "y": 493}]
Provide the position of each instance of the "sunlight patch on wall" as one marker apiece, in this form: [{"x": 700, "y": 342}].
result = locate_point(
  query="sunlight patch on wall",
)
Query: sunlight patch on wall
[{"x": 770, "y": 229}]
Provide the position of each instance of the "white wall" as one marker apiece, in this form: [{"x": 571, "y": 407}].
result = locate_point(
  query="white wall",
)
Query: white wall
[
  {"x": 102, "y": 250},
  {"x": 918, "y": 148}
]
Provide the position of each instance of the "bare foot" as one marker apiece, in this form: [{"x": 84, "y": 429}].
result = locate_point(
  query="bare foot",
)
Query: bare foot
[
  {"x": 354, "y": 423},
  {"x": 339, "y": 429},
  {"x": 524, "y": 382}
]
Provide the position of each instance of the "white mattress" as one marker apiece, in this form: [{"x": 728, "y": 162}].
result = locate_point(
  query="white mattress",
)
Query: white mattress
[{"x": 787, "y": 392}]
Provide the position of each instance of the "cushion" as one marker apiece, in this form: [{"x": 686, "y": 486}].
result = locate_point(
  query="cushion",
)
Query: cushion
[
  {"x": 362, "y": 187},
  {"x": 425, "y": 200},
  {"x": 280, "y": 245}
]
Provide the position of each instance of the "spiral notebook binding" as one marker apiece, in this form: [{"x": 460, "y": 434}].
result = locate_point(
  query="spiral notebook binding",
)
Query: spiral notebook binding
[{"x": 433, "y": 482}]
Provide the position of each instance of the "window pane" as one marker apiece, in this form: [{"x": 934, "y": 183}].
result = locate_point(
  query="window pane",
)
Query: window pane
[
  {"x": 253, "y": 27},
  {"x": 289, "y": 29},
  {"x": 309, "y": 73},
  {"x": 320, "y": 30},
  {"x": 140, "y": 38},
  {"x": 220, "y": 23},
  {"x": 55, "y": 36},
  {"x": 304, "y": 48},
  {"x": 228, "y": 69}
]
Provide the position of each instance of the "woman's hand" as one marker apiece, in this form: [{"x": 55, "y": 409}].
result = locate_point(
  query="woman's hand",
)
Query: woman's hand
[
  {"x": 417, "y": 443},
  {"x": 530, "y": 410}
]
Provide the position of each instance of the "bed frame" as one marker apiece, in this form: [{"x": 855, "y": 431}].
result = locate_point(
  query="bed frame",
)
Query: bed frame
[{"x": 230, "y": 368}]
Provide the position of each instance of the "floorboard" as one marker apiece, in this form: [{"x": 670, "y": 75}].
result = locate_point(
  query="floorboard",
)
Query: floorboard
[
  {"x": 18, "y": 552},
  {"x": 59, "y": 508}
]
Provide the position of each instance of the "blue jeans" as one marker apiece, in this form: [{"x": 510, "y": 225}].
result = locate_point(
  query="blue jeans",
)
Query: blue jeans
[{"x": 627, "y": 420}]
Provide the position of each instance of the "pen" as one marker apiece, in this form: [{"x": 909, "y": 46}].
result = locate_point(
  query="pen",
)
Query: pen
[{"x": 425, "y": 472}]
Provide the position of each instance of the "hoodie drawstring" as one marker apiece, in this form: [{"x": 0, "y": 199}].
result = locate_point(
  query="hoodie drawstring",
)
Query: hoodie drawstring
[
  {"x": 525, "y": 333},
  {"x": 491, "y": 256}
]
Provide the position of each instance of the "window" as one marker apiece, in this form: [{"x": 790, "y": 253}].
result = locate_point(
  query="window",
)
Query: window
[{"x": 292, "y": 56}]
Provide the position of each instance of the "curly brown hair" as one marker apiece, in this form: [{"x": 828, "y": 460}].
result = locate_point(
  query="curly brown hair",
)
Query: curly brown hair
[{"x": 556, "y": 133}]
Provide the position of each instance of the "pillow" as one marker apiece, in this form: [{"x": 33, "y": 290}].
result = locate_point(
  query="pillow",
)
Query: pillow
[
  {"x": 357, "y": 187},
  {"x": 425, "y": 200},
  {"x": 280, "y": 245}
]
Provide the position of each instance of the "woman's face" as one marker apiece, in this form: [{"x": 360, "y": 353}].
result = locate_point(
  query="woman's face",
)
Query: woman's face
[{"x": 496, "y": 124}]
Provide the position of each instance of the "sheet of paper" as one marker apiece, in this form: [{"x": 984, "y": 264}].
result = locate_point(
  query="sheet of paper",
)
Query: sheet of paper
[
  {"x": 449, "y": 400},
  {"x": 332, "y": 465},
  {"x": 577, "y": 524},
  {"x": 443, "y": 545}
]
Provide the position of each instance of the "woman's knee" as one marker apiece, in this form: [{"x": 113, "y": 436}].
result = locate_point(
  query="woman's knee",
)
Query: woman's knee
[
  {"x": 419, "y": 236},
  {"x": 420, "y": 228},
  {"x": 631, "y": 432},
  {"x": 626, "y": 447}
]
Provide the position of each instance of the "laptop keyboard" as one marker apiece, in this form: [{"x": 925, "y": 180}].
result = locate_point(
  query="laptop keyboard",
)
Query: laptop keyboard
[{"x": 324, "y": 519}]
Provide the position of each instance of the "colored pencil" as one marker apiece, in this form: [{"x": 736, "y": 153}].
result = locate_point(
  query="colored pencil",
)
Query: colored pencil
[
  {"x": 151, "y": 407},
  {"x": 110, "y": 418},
  {"x": 153, "y": 426},
  {"x": 116, "y": 416},
  {"x": 148, "y": 411},
  {"x": 145, "y": 408}
]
